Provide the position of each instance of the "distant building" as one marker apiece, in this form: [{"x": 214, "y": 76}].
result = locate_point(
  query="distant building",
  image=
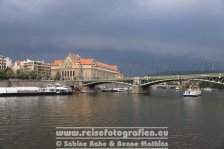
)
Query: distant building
[
  {"x": 17, "y": 65},
  {"x": 5, "y": 62},
  {"x": 73, "y": 67},
  {"x": 42, "y": 68}
]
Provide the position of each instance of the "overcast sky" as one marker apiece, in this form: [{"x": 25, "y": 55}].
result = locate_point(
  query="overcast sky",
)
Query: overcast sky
[{"x": 175, "y": 34}]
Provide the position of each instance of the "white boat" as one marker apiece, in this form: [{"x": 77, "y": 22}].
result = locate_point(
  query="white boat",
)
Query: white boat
[
  {"x": 193, "y": 91},
  {"x": 121, "y": 89},
  {"x": 60, "y": 89},
  {"x": 207, "y": 89},
  {"x": 117, "y": 89},
  {"x": 177, "y": 88},
  {"x": 49, "y": 89}
]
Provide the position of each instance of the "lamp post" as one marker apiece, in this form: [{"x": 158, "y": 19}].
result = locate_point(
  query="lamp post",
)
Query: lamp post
[{"x": 130, "y": 71}]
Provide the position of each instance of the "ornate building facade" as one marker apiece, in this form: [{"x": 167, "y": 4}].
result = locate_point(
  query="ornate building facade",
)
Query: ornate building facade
[{"x": 73, "y": 67}]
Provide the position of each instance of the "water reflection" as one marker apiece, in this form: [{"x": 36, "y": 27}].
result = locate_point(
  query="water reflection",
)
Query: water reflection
[{"x": 29, "y": 122}]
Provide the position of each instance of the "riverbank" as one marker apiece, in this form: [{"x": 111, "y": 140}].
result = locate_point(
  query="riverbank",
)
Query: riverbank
[{"x": 35, "y": 83}]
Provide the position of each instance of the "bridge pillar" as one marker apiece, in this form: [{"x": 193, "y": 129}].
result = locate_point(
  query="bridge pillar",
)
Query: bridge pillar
[
  {"x": 137, "y": 88},
  {"x": 86, "y": 88}
]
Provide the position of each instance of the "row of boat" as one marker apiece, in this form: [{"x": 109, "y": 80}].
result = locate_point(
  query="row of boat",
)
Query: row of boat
[
  {"x": 56, "y": 89},
  {"x": 192, "y": 91}
]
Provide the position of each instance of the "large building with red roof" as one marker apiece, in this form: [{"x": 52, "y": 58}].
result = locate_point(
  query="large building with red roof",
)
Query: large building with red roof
[{"x": 73, "y": 67}]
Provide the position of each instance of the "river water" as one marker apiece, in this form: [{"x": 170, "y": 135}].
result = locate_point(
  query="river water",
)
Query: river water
[{"x": 193, "y": 123}]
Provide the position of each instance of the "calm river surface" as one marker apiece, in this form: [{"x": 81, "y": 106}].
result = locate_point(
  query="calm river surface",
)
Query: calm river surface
[{"x": 193, "y": 123}]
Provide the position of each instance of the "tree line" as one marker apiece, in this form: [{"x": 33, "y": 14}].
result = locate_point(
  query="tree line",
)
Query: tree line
[{"x": 8, "y": 73}]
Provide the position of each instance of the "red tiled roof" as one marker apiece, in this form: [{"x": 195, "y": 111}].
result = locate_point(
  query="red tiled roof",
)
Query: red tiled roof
[
  {"x": 57, "y": 62},
  {"x": 106, "y": 66},
  {"x": 86, "y": 61},
  {"x": 80, "y": 60},
  {"x": 18, "y": 63}
]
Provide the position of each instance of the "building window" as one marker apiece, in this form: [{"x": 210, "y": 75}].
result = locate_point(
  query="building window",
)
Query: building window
[{"x": 62, "y": 73}]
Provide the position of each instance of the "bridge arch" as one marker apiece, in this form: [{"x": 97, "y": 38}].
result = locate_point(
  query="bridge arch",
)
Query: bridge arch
[
  {"x": 183, "y": 79},
  {"x": 92, "y": 84},
  {"x": 209, "y": 81},
  {"x": 158, "y": 82}
]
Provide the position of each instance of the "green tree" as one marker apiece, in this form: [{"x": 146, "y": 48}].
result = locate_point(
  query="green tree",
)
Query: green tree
[
  {"x": 2, "y": 74},
  {"x": 39, "y": 76},
  {"x": 21, "y": 74},
  {"x": 57, "y": 76},
  {"x": 48, "y": 77},
  {"x": 9, "y": 73},
  {"x": 33, "y": 75}
]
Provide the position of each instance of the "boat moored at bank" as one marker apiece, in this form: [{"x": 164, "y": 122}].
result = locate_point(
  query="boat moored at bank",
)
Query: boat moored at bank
[
  {"x": 121, "y": 89},
  {"x": 48, "y": 89},
  {"x": 117, "y": 89},
  {"x": 193, "y": 91}
]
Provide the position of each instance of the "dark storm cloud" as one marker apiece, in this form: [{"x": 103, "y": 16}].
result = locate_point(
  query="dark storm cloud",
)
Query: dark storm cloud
[{"x": 169, "y": 30}]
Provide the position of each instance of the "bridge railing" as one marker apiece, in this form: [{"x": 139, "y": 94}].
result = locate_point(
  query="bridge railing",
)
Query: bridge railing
[{"x": 160, "y": 77}]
